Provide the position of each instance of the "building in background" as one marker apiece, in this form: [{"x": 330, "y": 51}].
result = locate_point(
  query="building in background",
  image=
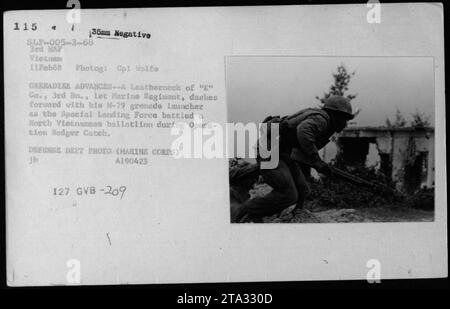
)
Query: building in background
[{"x": 403, "y": 155}]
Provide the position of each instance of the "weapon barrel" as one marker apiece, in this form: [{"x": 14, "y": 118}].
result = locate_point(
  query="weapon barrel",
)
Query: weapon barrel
[
  {"x": 351, "y": 178},
  {"x": 361, "y": 182}
]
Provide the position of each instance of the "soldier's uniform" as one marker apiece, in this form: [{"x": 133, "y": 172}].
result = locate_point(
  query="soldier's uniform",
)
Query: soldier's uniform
[{"x": 307, "y": 131}]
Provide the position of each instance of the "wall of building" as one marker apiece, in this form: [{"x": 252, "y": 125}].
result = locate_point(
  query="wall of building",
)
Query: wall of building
[{"x": 402, "y": 147}]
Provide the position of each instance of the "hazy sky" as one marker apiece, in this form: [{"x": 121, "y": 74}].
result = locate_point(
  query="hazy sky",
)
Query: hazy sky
[{"x": 261, "y": 86}]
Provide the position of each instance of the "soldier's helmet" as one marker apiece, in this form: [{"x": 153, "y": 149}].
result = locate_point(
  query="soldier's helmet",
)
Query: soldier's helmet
[{"x": 339, "y": 104}]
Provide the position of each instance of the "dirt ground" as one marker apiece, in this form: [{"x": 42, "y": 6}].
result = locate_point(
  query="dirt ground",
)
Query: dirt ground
[
  {"x": 313, "y": 214},
  {"x": 379, "y": 214}
]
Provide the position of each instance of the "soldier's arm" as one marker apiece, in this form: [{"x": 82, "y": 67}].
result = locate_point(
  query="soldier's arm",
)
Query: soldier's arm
[{"x": 307, "y": 132}]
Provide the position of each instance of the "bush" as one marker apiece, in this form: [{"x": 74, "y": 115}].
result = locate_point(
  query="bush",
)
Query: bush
[{"x": 422, "y": 199}]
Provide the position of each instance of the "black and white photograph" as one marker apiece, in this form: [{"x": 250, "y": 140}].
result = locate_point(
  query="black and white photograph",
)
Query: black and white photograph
[{"x": 358, "y": 144}]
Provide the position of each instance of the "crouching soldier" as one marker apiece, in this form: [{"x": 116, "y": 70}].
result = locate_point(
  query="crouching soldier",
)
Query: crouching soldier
[{"x": 306, "y": 132}]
